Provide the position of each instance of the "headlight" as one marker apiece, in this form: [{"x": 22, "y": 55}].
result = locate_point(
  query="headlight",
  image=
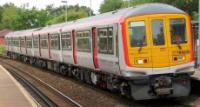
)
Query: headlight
[{"x": 140, "y": 61}]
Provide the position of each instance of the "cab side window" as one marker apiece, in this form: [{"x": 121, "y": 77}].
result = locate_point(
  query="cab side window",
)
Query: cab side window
[{"x": 105, "y": 40}]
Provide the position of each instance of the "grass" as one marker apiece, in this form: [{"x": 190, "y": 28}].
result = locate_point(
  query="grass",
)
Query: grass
[{"x": 2, "y": 49}]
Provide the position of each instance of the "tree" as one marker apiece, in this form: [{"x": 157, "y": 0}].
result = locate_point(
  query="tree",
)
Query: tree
[
  {"x": 110, "y": 5},
  {"x": 57, "y": 15},
  {"x": 9, "y": 14}
]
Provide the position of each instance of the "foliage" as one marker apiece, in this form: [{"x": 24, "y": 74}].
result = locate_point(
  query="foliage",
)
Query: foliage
[
  {"x": 195, "y": 15},
  {"x": 17, "y": 18},
  {"x": 73, "y": 13},
  {"x": 110, "y": 5},
  {"x": 2, "y": 50}
]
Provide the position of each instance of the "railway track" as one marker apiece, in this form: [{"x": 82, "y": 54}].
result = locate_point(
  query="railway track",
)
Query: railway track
[{"x": 16, "y": 73}]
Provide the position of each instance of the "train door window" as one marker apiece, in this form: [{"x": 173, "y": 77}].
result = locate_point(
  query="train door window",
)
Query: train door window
[
  {"x": 55, "y": 44},
  {"x": 28, "y": 42},
  {"x": 110, "y": 41},
  {"x": 66, "y": 41},
  {"x": 22, "y": 42},
  {"x": 105, "y": 42},
  {"x": 178, "y": 31},
  {"x": 83, "y": 41},
  {"x": 17, "y": 40},
  {"x": 10, "y": 41},
  {"x": 35, "y": 42},
  {"x": 137, "y": 33},
  {"x": 158, "y": 32},
  {"x": 44, "y": 42},
  {"x": 13, "y": 41}
]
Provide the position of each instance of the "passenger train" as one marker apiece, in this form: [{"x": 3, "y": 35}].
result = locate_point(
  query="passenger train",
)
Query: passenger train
[{"x": 143, "y": 52}]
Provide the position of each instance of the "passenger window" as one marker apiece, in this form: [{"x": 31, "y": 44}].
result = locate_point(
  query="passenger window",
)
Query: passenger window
[
  {"x": 44, "y": 42},
  {"x": 35, "y": 42},
  {"x": 83, "y": 41},
  {"x": 158, "y": 32},
  {"x": 178, "y": 31},
  {"x": 66, "y": 41},
  {"x": 18, "y": 42},
  {"x": 55, "y": 41},
  {"x": 22, "y": 42},
  {"x": 105, "y": 42},
  {"x": 28, "y": 43},
  {"x": 137, "y": 33}
]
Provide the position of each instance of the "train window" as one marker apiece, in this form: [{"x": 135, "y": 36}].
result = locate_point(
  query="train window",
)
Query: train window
[
  {"x": 10, "y": 41},
  {"x": 137, "y": 33},
  {"x": 178, "y": 31},
  {"x": 14, "y": 42},
  {"x": 22, "y": 42},
  {"x": 105, "y": 42},
  {"x": 35, "y": 42},
  {"x": 55, "y": 44},
  {"x": 28, "y": 43},
  {"x": 17, "y": 42},
  {"x": 158, "y": 32},
  {"x": 83, "y": 41},
  {"x": 44, "y": 42},
  {"x": 66, "y": 41}
]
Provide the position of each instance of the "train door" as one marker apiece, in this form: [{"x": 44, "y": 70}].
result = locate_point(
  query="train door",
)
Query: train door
[
  {"x": 159, "y": 44},
  {"x": 94, "y": 47},
  {"x": 139, "y": 49},
  {"x": 107, "y": 48}
]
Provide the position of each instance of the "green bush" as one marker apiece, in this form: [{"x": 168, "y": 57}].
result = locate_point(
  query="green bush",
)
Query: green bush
[{"x": 2, "y": 50}]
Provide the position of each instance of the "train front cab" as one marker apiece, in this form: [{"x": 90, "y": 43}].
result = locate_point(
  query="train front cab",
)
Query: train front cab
[{"x": 160, "y": 51}]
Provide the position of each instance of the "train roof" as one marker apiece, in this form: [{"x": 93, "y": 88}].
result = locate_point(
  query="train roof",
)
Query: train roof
[{"x": 105, "y": 18}]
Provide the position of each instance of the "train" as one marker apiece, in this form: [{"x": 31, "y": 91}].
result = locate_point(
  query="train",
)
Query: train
[{"x": 143, "y": 52}]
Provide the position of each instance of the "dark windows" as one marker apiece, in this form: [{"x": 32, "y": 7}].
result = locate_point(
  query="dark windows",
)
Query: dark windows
[
  {"x": 22, "y": 41},
  {"x": 44, "y": 42},
  {"x": 137, "y": 31},
  {"x": 66, "y": 41},
  {"x": 55, "y": 44},
  {"x": 178, "y": 31},
  {"x": 35, "y": 42},
  {"x": 29, "y": 42},
  {"x": 15, "y": 42},
  {"x": 83, "y": 41},
  {"x": 105, "y": 42},
  {"x": 158, "y": 32}
]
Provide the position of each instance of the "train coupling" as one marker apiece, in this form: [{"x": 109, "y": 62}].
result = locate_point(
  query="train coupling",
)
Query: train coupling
[{"x": 162, "y": 86}]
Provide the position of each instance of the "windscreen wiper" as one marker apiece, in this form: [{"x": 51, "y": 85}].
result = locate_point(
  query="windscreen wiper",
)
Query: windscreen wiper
[
  {"x": 141, "y": 43},
  {"x": 140, "y": 46},
  {"x": 178, "y": 45}
]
